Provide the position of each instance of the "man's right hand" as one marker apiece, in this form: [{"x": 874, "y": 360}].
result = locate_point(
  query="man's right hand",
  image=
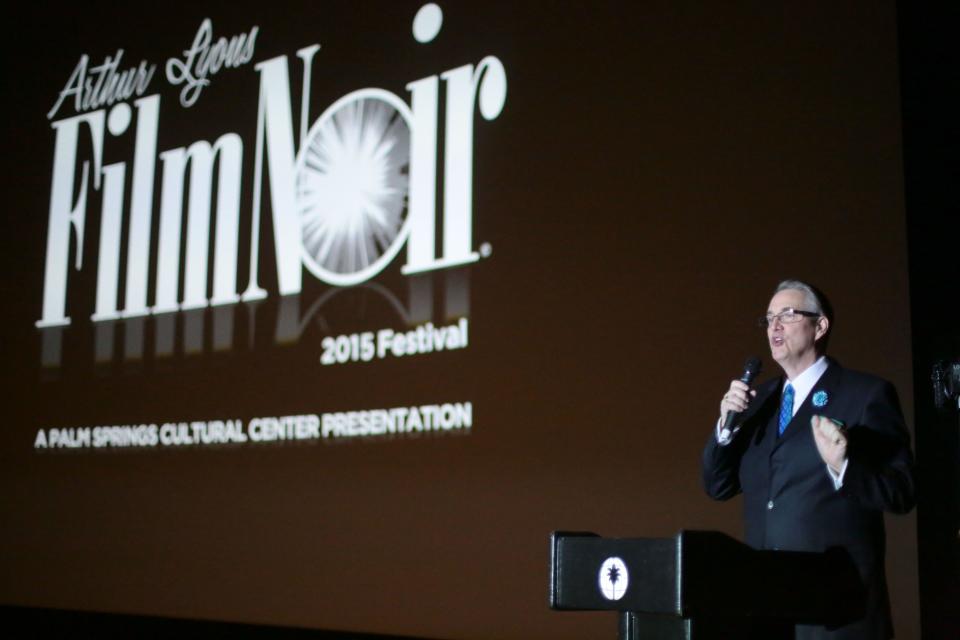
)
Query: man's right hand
[{"x": 737, "y": 398}]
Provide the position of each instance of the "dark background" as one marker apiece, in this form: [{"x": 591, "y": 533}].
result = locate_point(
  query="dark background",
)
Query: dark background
[
  {"x": 655, "y": 171},
  {"x": 929, "y": 60}
]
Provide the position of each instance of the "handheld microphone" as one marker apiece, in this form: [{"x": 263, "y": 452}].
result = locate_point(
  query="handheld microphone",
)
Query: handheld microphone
[{"x": 751, "y": 369}]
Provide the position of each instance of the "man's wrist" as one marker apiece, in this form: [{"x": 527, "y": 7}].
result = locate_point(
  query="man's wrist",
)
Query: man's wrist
[
  {"x": 724, "y": 435},
  {"x": 837, "y": 475}
]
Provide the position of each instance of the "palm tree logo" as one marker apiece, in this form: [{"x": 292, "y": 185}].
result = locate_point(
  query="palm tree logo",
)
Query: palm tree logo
[{"x": 613, "y": 578}]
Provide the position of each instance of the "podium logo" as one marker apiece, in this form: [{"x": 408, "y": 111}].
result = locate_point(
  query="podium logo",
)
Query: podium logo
[{"x": 613, "y": 578}]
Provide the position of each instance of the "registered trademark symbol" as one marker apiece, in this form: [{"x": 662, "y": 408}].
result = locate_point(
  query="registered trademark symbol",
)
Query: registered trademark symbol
[{"x": 485, "y": 250}]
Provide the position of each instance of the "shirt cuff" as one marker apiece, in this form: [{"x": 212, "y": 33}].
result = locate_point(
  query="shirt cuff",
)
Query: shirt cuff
[
  {"x": 724, "y": 436},
  {"x": 838, "y": 477}
]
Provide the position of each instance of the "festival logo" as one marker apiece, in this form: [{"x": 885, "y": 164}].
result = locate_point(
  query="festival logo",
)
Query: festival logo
[{"x": 348, "y": 194}]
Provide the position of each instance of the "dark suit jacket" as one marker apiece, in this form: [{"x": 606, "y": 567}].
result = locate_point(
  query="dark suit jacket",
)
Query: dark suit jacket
[{"x": 789, "y": 500}]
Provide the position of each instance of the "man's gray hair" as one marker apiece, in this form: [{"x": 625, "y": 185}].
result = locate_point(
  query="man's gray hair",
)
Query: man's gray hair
[{"x": 810, "y": 297}]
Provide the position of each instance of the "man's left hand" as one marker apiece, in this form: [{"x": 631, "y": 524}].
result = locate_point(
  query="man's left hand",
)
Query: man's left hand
[{"x": 831, "y": 441}]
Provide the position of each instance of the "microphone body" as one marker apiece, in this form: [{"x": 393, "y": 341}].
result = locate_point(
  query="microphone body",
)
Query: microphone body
[{"x": 751, "y": 369}]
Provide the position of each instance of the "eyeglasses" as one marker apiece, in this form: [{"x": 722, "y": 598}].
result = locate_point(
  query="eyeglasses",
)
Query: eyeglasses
[{"x": 787, "y": 316}]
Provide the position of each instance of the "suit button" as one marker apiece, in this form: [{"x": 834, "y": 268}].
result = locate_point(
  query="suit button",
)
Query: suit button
[{"x": 770, "y": 505}]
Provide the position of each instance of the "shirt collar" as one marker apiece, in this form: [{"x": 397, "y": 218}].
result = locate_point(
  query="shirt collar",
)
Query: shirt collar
[{"x": 803, "y": 384}]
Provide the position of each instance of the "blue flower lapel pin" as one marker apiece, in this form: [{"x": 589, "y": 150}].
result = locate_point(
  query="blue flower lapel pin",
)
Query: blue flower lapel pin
[{"x": 820, "y": 399}]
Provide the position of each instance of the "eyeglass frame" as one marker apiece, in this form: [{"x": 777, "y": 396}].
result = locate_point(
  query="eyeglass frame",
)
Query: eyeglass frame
[{"x": 767, "y": 320}]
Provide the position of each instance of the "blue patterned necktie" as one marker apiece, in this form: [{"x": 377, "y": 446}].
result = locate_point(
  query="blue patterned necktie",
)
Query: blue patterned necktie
[{"x": 786, "y": 407}]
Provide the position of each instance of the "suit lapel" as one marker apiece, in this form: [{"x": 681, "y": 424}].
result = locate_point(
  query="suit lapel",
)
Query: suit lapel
[{"x": 766, "y": 434}]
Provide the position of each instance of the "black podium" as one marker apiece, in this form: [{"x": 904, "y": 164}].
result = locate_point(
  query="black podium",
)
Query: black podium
[{"x": 701, "y": 585}]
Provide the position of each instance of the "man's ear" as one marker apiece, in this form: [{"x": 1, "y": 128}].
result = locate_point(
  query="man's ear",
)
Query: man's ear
[{"x": 823, "y": 325}]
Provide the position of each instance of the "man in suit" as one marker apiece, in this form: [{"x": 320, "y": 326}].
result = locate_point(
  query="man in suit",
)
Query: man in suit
[{"x": 818, "y": 454}]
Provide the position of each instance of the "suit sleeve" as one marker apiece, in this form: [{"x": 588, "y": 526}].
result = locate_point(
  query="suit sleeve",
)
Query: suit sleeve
[
  {"x": 721, "y": 467},
  {"x": 721, "y": 463},
  {"x": 880, "y": 470}
]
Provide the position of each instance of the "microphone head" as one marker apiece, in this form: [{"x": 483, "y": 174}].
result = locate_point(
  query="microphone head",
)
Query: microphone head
[{"x": 751, "y": 369}]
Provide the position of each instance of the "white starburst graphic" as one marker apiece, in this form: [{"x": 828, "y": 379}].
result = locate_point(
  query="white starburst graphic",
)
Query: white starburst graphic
[{"x": 352, "y": 186}]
